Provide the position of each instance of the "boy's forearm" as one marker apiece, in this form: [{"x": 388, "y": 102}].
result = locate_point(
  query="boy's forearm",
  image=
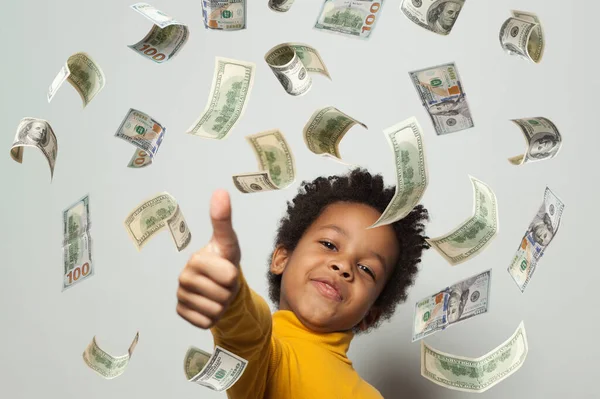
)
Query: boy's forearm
[{"x": 246, "y": 324}]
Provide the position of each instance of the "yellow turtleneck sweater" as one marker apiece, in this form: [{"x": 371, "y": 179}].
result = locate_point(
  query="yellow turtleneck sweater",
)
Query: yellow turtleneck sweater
[{"x": 286, "y": 360}]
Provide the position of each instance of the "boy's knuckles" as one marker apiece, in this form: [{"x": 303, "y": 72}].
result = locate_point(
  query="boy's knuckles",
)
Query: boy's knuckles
[{"x": 229, "y": 276}]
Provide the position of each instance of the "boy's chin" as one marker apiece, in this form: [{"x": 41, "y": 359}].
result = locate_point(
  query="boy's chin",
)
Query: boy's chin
[{"x": 319, "y": 319}]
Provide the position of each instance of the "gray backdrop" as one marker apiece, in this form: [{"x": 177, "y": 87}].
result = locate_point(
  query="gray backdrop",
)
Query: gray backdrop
[{"x": 44, "y": 331}]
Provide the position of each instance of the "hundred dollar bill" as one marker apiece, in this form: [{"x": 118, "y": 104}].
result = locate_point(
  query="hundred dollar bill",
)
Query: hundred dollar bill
[
  {"x": 475, "y": 374},
  {"x": 354, "y": 18},
  {"x": 522, "y": 35},
  {"x": 217, "y": 372},
  {"x": 406, "y": 141},
  {"x": 472, "y": 236},
  {"x": 77, "y": 243},
  {"x": 34, "y": 132},
  {"x": 154, "y": 215},
  {"x": 166, "y": 37},
  {"x": 538, "y": 236},
  {"x": 436, "y": 16},
  {"x": 325, "y": 130},
  {"x": 443, "y": 96},
  {"x": 140, "y": 159},
  {"x": 280, "y": 5},
  {"x": 106, "y": 365},
  {"x": 543, "y": 140},
  {"x": 229, "y": 95},
  {"x": 143, "y": 132},
  {"x": 291, "y": 62},
  {"x": 224, "y": 14},
  {"x": 275, "y": 160},
  {"x": 83, "y": 73},
  {"x": 460, "y": 301}
]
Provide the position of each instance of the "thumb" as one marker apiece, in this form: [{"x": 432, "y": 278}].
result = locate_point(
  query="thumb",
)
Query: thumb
[{"x": 224, "y": 237}]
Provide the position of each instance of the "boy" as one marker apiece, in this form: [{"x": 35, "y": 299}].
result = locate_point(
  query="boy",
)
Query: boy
[{"x": 331, "y": 276}]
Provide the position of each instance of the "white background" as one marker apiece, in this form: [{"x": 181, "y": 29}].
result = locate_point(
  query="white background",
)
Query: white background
[{"x": 44, "y": 331}]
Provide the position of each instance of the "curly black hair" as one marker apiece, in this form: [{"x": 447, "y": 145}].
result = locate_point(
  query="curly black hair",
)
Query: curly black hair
[{"x": 358, "y": 186}]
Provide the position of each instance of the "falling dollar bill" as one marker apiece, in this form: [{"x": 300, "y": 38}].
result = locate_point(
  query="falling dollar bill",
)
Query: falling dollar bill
[
  {"x": 106, "y": 365},
  {"x": 280, "y": 5},
  {"x": 77, "y": 243},
  {"x": 475, "y": 374},
  {"x": 143, "y": 132},
  {"x": 436, "y": 16},
  {"x": 474, "y": 234},
  {"x": 460, "y": 301},
  {"x": 406, "y": 141},
  {"x": 154, "y": 215},
  {"x": 34, "y": 132},
  {"x": 229, "y": 95},
  {"x": 140, "y": 159},
  {"x": 291, "y": 62},
  {"x": 538, "y": 236},
  {"x": 354, "y": 18},
  {"x": 443, "y": 96},
  {"x": 83, "y": 73},
  {"x": 543, "y": 140},
  {"x": 522, "y": 35},
  {"x": 275, "y": 160},
  {"x": 224, "y": 14},
  {"x": 166, "y": 37},
  {"x": 325, "y": 130},
  {"x": 217, "y": 372}
]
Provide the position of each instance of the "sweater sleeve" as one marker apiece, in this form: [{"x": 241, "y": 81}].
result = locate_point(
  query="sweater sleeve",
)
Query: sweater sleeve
[{"x": 245, "y": 329}]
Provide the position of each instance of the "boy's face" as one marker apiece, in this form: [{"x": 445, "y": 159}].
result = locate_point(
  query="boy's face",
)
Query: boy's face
[{"x": 338, "y": 269}]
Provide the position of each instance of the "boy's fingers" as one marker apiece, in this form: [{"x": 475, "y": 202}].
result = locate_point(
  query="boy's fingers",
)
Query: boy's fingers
[
  {"x": 217, "y": 269},
  {"x": 202, "y": 285},
  {"x": 193, "y": 317},
  {"x": 199, "y": 304},
  {"x": 220, "y": 216}
]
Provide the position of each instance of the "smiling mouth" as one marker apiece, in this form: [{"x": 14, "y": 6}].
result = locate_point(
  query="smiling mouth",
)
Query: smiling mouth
[{"x": 327, "y": 291}]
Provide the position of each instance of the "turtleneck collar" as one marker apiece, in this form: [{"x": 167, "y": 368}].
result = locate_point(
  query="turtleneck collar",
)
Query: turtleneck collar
[{"x": 286, "y": 324}]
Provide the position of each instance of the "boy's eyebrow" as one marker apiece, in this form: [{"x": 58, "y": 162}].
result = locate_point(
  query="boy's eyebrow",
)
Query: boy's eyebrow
[{"x": 344, "y": 233}]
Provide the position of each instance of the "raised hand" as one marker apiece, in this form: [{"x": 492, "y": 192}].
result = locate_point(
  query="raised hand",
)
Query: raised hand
[{"x": 209, "y": 281}]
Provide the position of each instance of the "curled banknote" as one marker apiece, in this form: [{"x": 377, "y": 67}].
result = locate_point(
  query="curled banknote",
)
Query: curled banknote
[
  {"x": 354, "y": 18},
  {"x": 166, "y": 37},
  {"x": 443, "y": 96},
  {"x": 229, "y": 95},
  {"x": 218, "y": 371},
  {"x": 475, "y": 374},
  {"x": 538, "y": 236},
  {"x": 144, "y": 133},
  {"x": 406, "y": 142},
  {"x": 34, "y": 132},
  {"x": 543, "y": 140},
  {"x": 106, "y": 365},
  {"x": 291, "y": 62},
  {"x": 522, "y": 35},
  {"x": 275, "y": 161},
  {"x": 325, "y": 129},
  {"x": 224, "y": 14},
  {"x": 77, "y": 243},
  {"x": 154, "y": 215},
  {"x": 280, "y": 5},
  {"x": 437, "y": 16},
  {"x": 460, "y": 301},
  {"x": 83, "y": 73},
  {"x": 473, "y": 235}
]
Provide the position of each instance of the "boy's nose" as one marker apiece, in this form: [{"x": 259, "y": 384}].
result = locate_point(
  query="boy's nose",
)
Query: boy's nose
[{"x": 342, "y": 269}]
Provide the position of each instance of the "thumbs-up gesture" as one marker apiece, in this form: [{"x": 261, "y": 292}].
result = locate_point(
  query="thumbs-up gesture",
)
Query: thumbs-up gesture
[{"x": 209, "y": 281}]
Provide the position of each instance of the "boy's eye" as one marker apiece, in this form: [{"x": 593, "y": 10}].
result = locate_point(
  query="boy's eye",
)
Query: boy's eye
[
  {"x": 366, "y": 269},
  {"x": 328, "y": 244}
]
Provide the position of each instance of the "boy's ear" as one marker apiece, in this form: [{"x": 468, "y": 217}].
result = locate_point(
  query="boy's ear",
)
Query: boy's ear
[
  {"x": 279, "y": 260},
  {"x": 371, "y": 318}
]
